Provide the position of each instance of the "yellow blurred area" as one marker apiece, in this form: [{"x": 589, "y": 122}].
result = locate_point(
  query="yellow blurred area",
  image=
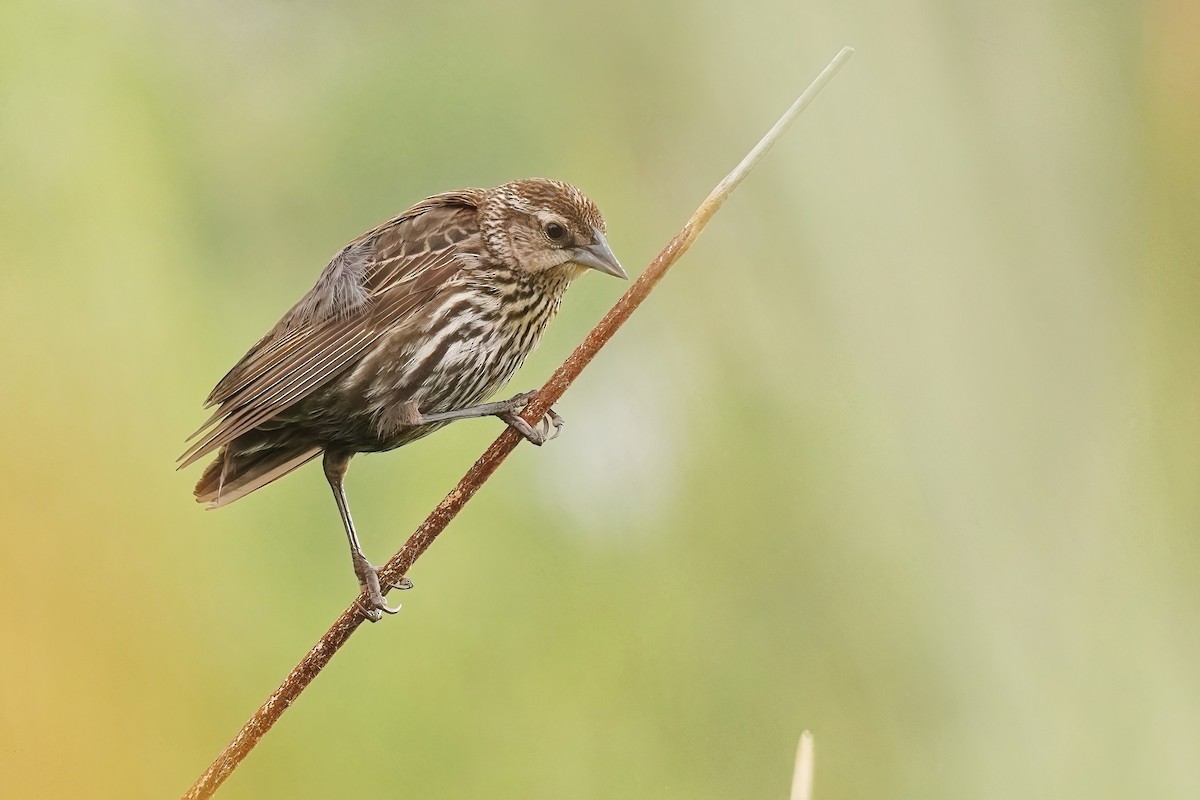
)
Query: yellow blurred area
[{"x": 905, "y": 452}]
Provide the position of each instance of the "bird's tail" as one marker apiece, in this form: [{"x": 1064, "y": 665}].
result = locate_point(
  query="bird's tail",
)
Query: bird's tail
[{"x": 234, "y": 475}]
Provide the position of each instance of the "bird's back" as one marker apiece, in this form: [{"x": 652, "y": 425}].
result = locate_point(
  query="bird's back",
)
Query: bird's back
[{"x": 379, "y": 284}]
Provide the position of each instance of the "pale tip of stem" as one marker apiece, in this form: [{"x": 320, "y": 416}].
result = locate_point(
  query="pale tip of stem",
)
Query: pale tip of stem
[
  {"x": 802, "y": 780},
  {"x": 718, "y": 195}
]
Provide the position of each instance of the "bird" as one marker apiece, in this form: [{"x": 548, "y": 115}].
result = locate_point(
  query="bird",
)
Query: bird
[{"x": 411, "y": 326}]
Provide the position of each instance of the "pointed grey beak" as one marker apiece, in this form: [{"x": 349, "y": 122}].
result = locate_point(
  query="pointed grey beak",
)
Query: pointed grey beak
[{"x": 599, "y": 256}]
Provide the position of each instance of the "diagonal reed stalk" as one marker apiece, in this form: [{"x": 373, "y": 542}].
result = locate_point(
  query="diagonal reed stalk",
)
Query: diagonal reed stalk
[{"x": 345, "y": 625}]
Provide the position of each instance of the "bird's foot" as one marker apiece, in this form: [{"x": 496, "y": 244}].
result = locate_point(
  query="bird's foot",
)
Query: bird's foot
[
  {"x": 547, "y": 428},
  {"x": 371, "y": 602},
  {"x": 535, "y": 434}
]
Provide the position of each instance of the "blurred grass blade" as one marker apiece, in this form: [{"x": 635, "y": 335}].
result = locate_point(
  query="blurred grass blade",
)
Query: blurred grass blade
[{"x": 802, "y": 780}]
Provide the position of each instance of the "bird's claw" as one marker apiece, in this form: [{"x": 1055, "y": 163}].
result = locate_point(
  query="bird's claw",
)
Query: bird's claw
[
  {"x": 551, "y": 418},
  {"x": 371, "y": 602},
  {"x": 539, "y": 434},
  {"x": 373, "y": 612},
  {"x": 536, "y": 435}
]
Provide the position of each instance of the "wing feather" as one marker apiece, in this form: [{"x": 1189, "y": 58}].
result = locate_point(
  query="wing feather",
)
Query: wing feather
[{"x": 384, "y": 275}]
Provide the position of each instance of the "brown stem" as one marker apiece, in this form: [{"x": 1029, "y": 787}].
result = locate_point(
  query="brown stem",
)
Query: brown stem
[{"x": 316, "y": 658}]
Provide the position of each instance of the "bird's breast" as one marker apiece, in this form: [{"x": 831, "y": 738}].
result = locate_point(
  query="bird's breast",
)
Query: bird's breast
[{"x": 469, "y": 348}]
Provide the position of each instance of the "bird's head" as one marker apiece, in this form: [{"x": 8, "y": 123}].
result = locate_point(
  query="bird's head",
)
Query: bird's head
[{"x": 537, "y": 225}]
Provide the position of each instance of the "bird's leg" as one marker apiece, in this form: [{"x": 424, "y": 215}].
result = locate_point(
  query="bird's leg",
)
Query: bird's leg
[
  {"x": 508, "y": 410},
  {"x": 335, "y": 464}
]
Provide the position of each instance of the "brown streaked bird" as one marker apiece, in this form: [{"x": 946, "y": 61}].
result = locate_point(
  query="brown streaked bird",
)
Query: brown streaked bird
[{"x": 411, "y": 326}]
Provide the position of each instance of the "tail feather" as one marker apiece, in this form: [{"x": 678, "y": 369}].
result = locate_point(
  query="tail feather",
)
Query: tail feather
[{"x": 234, "y": 475}]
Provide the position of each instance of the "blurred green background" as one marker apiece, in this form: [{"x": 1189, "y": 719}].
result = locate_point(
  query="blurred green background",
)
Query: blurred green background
[{"x": 904, "y": 452}]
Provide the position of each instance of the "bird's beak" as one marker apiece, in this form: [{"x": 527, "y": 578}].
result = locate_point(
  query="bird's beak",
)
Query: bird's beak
[{"x": 599, "y": 256}]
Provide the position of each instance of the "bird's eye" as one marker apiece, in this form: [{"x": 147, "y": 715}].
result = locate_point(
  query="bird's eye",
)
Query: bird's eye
[{"x": 555, "y": 231}]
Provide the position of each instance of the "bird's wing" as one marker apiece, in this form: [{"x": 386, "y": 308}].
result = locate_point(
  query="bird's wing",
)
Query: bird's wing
[{"x": 367, "y": 290}]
